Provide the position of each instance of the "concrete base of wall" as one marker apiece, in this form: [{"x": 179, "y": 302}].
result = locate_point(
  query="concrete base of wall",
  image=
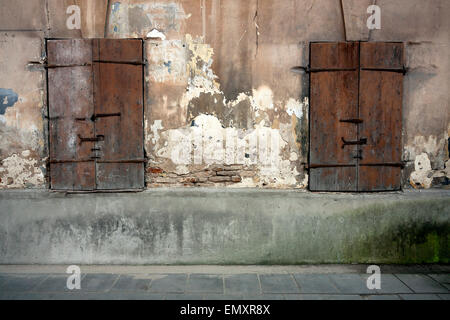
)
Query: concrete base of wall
[{"x": 223, "y": 226}]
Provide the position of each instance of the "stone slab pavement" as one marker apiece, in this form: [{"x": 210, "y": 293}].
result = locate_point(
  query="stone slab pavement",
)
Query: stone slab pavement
[{"x": 319, "y": 282}]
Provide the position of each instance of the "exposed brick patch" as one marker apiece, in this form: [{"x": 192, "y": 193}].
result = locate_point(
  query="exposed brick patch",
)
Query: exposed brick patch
[
  {"x": 233, "y": 167},
  {"x": 163, "y": 180},
  {"x": 219, "y": 179},
  {"x": 227, "y": 173},
  {"x": 154, "y": 170},
  {"x": 223, "y": 175},
  {"x": 236, "y": 179},
  {"x": 190, "y": 180}
]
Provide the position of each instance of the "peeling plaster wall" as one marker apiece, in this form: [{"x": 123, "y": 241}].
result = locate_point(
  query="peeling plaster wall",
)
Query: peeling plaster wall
[
  {"x": 223, "y": 105},
  {"x": 198, "y": 131},
  {"x": 22, "y": 95}
]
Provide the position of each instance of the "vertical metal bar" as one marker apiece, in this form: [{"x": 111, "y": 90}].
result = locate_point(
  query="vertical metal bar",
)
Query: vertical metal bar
[
  {"x": 343, "y": 20},
  {"x": 48, "y": 121},
  {"x": 144, "y": 59},
  {"x": 309, "y": 117},
  {"x": 94, "y": 91},
  {"x": 358, "y": 147},
  {"x": 108, "y": 13}
]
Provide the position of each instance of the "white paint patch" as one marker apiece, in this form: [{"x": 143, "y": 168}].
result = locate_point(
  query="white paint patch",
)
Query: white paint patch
[
  {"x": 209, "y": 143},
  {"x": 296, "y": 107},
  {"x": 421, "y": 150},
  {"x": 180, "y": 170},
  {"x": 423, "y": 174},
  {"x": 157, "y": 125},
  {"x": 422, "y": 167},
  {"x": 293, "y": 156},
  {"x": 155, "y": 34},
  {"x": 431, "y": 145},
  {"x": 263, "y": 98},
  {"x": 167, "y": 61},
  {"x": 17, "y": 172},
  {"x": 26, "y": 153}
]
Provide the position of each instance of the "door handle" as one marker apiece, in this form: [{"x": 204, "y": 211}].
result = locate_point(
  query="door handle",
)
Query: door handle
[{"x": 357, "y": 142}]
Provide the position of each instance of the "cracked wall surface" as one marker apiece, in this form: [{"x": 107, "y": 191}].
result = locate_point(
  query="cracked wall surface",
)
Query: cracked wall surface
[{"x": 225, "y": 101}]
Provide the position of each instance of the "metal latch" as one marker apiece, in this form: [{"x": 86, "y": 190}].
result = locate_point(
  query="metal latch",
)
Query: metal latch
[
  {"x": 104, "y": 115},
  {"x": 94, "y": 139},
  {"x": 357, "y": 142}
]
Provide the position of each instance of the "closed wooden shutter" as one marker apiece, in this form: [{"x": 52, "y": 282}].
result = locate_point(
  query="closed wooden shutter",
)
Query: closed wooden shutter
[
  {"x": 95, "y": 90},
  {"x": 356, "y": 116}
]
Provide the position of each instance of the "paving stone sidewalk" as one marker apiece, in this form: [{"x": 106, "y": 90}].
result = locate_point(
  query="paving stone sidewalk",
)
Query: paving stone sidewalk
[{"x": 220, "y": 286}]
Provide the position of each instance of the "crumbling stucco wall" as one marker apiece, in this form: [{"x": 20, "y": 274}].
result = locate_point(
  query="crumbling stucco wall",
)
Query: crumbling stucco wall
[
  {"x": 23, "y": 146},
  {"x": 226, "y": 104}
]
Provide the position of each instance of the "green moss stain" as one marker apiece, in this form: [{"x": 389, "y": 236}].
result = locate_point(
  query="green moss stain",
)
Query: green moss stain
[{"x": 399, "y": 233}]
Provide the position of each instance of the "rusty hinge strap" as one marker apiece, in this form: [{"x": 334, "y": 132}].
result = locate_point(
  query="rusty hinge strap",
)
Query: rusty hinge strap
[
  {"x": 355, "y": 121},
  {"x": 123, "y": 161},
  {"x": 385, "y": 164},
  {"x": 401, "y": 70},
  {"x": 138, "y": 63},
  {"x": 357, "y": 142},
  {"x": 91, "y": 159},
  {"x": 51, "y": 66},
  {"x": 70, "y": 161},
  {"x": 313, "y": 166},
  {"x": 333, "y": 70}
]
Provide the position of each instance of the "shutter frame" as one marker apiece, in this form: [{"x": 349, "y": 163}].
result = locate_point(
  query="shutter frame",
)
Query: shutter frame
[{"x": 378, "y": 119}]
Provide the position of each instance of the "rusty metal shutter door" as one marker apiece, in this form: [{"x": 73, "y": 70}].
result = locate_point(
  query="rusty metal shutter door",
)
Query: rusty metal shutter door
[
  {"x": 70, "y": 94},
  {"x": 118, "y": 73},
  {"x": 356, "y": 116},
  {"x": 380, "y": 105},
  {"x": 334, "y": 101},
  {"x": 96, "y": 114}
]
